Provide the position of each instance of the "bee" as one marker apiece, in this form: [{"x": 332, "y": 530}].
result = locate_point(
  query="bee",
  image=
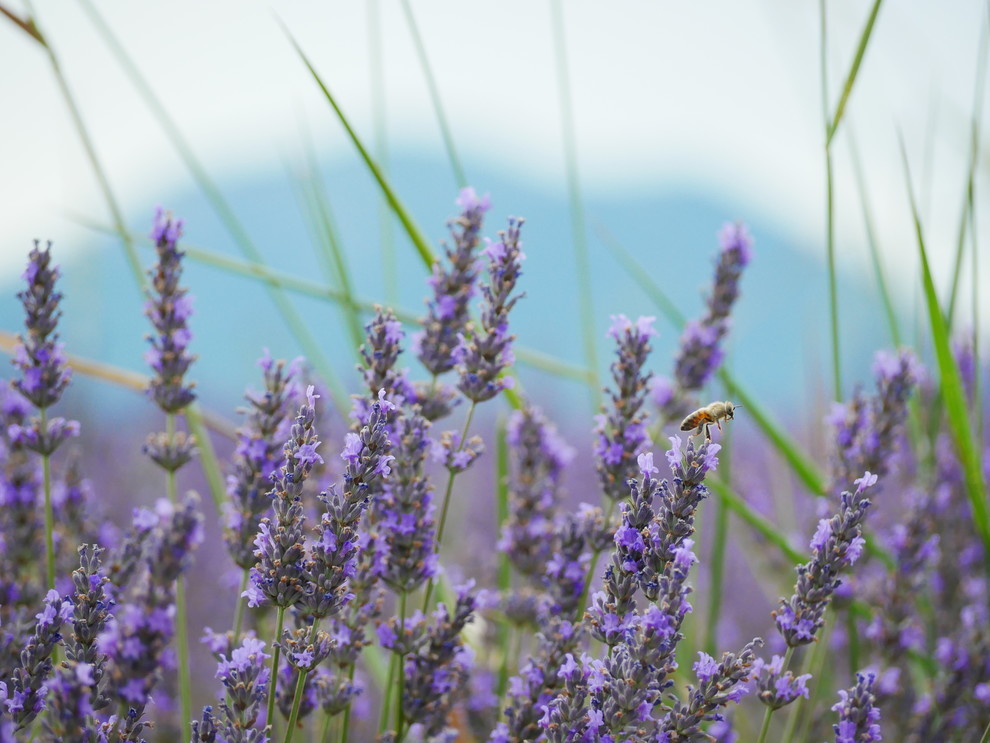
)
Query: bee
[{"x": 713, "y": 413}]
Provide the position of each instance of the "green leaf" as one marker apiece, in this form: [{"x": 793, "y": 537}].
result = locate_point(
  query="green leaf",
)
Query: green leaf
[
  {"x": 951, "y": 385},
  {"x": 760, "y": 523},
  {"x": 207, "y": 457},
  {"x": 415, "y": 234},
  {"x": 864, "y": 40}
]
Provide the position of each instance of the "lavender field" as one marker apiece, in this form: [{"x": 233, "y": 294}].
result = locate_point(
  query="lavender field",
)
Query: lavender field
[{"x": 468, "y": 537}]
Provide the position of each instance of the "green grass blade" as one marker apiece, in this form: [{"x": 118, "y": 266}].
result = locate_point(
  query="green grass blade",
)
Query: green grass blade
[
  {"x": 332, "y": 249},
  {"x": 502, "y": 498},
  {"x": 290, "y": 315},
  {"x": 116, "y": 215},
  {"x": 208, "y": 460},
  {"x": 581, "y": 259},
  {"x": 871, "y": 239},
  {"x": 864, "y": 40},
  {"x": 974, "y": 154},
  {"x": 951, "y": 385},
  {"x": 415, "y": 234},
  {"x": 760, "y": 523},
  {"x": 552, "y": 365},
  {"x": 431, "y": 83},
  {"x": 376, "y": 69},
  {"x": 833, "y": 300},
  {"x": 802, "y": 465}
]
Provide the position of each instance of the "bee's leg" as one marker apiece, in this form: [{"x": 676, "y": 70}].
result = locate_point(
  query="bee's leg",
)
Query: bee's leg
[
  {"x": 718, "y": 423},
  {"x": 708, "y": 431}
]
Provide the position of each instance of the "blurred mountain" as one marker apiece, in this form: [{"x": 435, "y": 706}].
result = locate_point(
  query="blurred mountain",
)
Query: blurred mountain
[{"x": 778, "y": 345}]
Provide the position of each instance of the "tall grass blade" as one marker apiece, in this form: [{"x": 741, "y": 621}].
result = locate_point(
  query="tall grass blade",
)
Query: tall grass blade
[
  {"x": 871, "y": 239},
  {"x": 208, "y": 460},
  {"x": 951, "y": 385},
  {"x": 759, "y": 523},
  {"x": 833, "y": 299},
  {"x": 116, "y": 215},
  {"x": 415, "y": 234},
  {"x": 974, "y": 154},
  {"x": 431, "y": 82},
  {"x": 864, "y": 40},
  {"x": 376, "y": 70},
  {"x": 290, "y": 315},
  {"x": 581, "y": 259}
]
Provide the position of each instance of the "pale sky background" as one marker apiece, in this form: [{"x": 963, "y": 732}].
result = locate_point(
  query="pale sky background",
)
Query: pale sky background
[{"x": 723, "y": 96}]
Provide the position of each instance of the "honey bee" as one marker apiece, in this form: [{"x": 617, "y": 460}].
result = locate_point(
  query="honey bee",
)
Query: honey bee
[{"x": 713, "y": 413}]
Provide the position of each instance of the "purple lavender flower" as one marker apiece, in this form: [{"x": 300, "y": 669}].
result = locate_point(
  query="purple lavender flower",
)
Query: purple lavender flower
[
  {"x": 775, "y": 687},
  {"x": 837, "y": 544},
  {"x": 482, "y": 357},
  {"x": 621, "y": 428},
  {"x": 406, "y": 511},
  {"x": 866, "y": 429},
  {"x": 447, "y": 311},
  {"x": 454, "y": 456},
  {"x": 719, "y": 685},
  {"x": 537, "y": 681},
  {"x": 333, "y": 557},
  {"x": 380, "y": 354},
  {"x": 859, "y": 719},
  {"x": 144, "y": 624},
  {"x": 540, "y": 458},
  {"x": 700, "y": 352},
  {"x": 436, "y": 674},
  {"x": 256, "y": 457},
  {"x": 24, "y": 693},
  {"x": 169, "y": 307},
  {"x": 40, "y": 356},
  {"x": 279, "y": 574}
]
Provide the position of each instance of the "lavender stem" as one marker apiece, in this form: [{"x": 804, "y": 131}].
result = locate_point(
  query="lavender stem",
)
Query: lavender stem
[
  {"x": 400, "y": 716},
  {"x": 239, "y": 607},
  {"x": 297, "y": 696},
  {"x": 276, "y": 651},
  {"x": 181, "y": 635},
  {"x": 46, "y": 468},
  {"x": 446, "y": 502}
]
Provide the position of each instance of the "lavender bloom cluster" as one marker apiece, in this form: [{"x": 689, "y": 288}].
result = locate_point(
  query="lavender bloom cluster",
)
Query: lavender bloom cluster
[
  {"x": 569, "y": 647},
  {"x": 700, "y": 353}
]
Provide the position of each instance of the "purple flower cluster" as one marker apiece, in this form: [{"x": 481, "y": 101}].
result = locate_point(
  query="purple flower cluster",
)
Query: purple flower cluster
[
  {"x": 447, "y": 310},
  {"x": 700, "y": 352},
  {"x": 256, "y": 458},
  {"x": 482, "y": 357},
  {"x": 41, "y": 358},
  {"x": 621, "y": 428},
  {"x": 837, "y": 544},
  {"x": 866, "y": 429},
  {"x": 776, "y": 687},
  {"x": 245, "y": 680},
  {"x": 859, "y": 719}
]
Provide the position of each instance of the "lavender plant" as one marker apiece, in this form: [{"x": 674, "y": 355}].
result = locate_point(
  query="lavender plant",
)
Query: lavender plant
[{"x": 530, "y": 662}]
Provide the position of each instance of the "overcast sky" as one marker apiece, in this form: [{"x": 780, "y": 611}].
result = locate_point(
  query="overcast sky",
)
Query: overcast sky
[{"x": 721, "y": 96}]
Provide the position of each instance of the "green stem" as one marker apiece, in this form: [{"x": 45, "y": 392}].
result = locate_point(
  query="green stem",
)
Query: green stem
[
  {"x": 325, "y": 734},
  {"x": 769, "y": 713},
  {"x": 239, "y": 608},
  {"x": 581, "y": 259},
  {"x": 46, "y": 469},
  {"x": 829, "y": 219},
  {"x": 718, "y": 563},
  {"x": 345, "y": 724},
  {"x": 181, "y": 630},
  {"x": 276, "y": 651},
  {"x": 297, "y": 695},
  {"x": 446, "y": 501},
  {"x": 400, "y": 715},
  {"x": 387, "y": 696},
  {"x": 815, "y": 665}
]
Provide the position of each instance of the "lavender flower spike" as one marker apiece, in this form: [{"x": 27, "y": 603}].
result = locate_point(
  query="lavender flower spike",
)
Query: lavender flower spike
[
  {"x": 620, "y": 429},
  {"x": 859, "y": 718},
  {"x": 26, "y": 689},
  {"x": 488, "y": 352},
  {"x": 279, "y": 574},
  {"x": 837, "y": 543},
  {"x": 700, "y": 352},
  {"x": 245, "y": 679},
  {"x": 169, "y": 307},
  {"x": 447, "y": 311},
  {"x": 40, "y": 357},
  {"x": 256, "y": 458}
]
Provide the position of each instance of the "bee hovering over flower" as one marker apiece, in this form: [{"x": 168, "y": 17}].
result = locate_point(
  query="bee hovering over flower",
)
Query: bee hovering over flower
[{"x": 713, "y": 413}]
